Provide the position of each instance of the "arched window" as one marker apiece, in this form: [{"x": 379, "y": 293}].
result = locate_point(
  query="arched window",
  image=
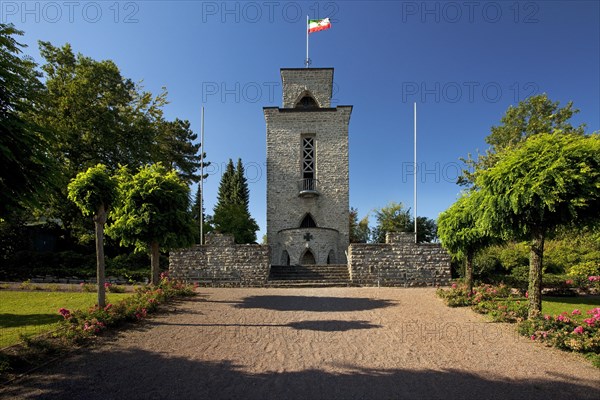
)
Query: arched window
[
  {"x": 308, "y": 258},
  {"x": 307, "y": 101},
  {"x": 308, "y": 222}
]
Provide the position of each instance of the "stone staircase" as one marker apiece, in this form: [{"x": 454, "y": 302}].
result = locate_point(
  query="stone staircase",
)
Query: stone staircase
[{"x": 329, "y": 275}]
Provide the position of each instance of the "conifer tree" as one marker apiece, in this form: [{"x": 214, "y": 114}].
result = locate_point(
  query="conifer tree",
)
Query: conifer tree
[
  {"x": 241, "y": 185},
  {"x": 231, "y": 213}
]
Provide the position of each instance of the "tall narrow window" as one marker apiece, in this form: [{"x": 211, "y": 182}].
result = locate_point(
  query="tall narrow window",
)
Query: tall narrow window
[{"x": 308, "y": 158}]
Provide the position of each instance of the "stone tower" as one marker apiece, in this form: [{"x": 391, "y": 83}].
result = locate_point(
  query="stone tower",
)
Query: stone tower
[{"x": 307, "y": 171}]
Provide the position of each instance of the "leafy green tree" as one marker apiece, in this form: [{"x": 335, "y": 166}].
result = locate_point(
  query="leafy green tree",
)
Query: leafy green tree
[
  {"x": 535, "y": 115},
  {"x": 97, "y": 116},
  {"x": 426, "y": 230},
  {"x": 359, "y": 230},
  {"x": 459, "y": 233},
  {"x": 363, "y": 231},
  {"x": 153, "y": 212},
  {"x": 548, "y": 181},
  {"x": 391, "y": 218},
  {"x": 231, "y": 213},
  {"x": 353, "y": 224},
  {"x": 395, "y": 218},
  {"x": 94, "y": 192},
  {"x": 26, "y": 168},
  {"x": 97, "y": 113}
]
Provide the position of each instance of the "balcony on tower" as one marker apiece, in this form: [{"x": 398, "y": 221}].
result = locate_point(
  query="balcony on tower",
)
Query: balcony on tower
[{"x": 308, "y": 187}]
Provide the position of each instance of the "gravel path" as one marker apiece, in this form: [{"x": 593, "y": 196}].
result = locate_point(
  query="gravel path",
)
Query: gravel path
[{"x": 335, "y": 343}]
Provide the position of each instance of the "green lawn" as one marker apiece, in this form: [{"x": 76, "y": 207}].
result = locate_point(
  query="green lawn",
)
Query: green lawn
[
  {"x": 32, "y": 313},
  {"x": 556, "y": 305}
]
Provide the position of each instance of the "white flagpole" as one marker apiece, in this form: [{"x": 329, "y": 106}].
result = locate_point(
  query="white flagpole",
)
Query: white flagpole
[
  {"x": 415, "y": 170},
  {"x": 202, "y": 179},
  {"x": 306, "y": 62}
]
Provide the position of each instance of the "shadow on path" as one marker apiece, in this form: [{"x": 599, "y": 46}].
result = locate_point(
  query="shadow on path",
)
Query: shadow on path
[
  {"x": 315, "y": 304},
  {"x": 138, "y": 374},
  {"x": 323, "y": 326}
]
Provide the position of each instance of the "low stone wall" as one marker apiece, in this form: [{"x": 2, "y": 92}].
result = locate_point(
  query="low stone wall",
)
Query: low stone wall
[
  {"x": 221, "y": 262},
  {"x": 399, "y": 262}
]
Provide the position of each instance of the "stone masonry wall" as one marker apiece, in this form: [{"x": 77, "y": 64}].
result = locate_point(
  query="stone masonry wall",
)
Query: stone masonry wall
[
  {"x": 317, "y": 81},
  {"x": 221, "y": 262},
  {"x": 399, "y": 262}
]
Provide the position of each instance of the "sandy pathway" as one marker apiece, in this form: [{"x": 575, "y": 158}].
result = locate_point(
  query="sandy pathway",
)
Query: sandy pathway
[{"x": 337, "y": 343}]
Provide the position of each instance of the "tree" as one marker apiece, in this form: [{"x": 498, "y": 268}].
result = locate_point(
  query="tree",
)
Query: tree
[
  {"x": 535, "y": 115},
  {"x": 460, "y": 234},
  {"x": 175, "y": 148},
  {"x": 359, "y": 230},
  {"x": 226, "y": 186},
  {"x": 231, "y": 213},
  {"x": 152, "y": 212},
  {"x": 353, "y": 224},
  {"x": 241, "y": 185},
  {"x": 547, "y": 181},
  {"x": 26, "y": 168},
  {"x": 94, "y": 192},
  {"x": 234, "y": 219},
  {"x": 97, "y": 116},
  {"x": 196, "y": 216},
  {"x": 395, "y": 218}
]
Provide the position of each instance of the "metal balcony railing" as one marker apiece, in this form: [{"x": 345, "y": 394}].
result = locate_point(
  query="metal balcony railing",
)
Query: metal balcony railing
[{"x": 308, "y": 187}]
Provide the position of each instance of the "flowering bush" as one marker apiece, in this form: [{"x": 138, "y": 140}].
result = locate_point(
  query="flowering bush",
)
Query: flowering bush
[
  {"x": 508, "y": 310},
  {"x": 81, "y": 324},
  {"x": 458, "y": 295},
  {"x": 566, "y": 332}
]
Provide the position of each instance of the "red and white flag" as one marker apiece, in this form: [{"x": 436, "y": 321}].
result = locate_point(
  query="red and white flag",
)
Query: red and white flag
[{"x": 316, "y": 25}]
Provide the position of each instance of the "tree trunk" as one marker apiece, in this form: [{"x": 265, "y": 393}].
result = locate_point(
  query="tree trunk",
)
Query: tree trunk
[
  {"x": 154, "y": 262},
  {"x": 536, "y": 256},
  {"x": 99, "y": 221},
  {"x": 469, "y": 272}
]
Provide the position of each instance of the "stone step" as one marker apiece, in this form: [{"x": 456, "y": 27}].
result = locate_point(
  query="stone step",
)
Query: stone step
[
  {"x": 309, "y": 278},
  {"x": 315, "y": 274},
  {"x": 308, "y": 283},
  {"x": 329, "y": 275}
]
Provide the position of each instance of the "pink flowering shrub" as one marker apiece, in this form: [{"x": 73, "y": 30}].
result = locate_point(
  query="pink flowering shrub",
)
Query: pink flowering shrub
[
  {"x": 503, "y": 310},
  {"x": 458, "y": 296},
  {"x": 564, "y": 332},
  {"x": 81, "y": 324}
]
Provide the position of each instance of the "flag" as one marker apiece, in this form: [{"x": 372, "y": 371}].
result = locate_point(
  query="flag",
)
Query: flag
[{"x": 315, "y": 25}]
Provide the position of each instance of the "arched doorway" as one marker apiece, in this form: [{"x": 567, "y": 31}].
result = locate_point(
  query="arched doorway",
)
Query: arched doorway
[
  {"x": 308, "y": 258},
  {"x": 285, "y": 258},
  {"x": 331, "y": 257}
]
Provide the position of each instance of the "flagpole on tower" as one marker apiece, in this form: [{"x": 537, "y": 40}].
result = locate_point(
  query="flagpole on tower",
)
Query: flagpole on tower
[
  {"x": 307, "y": 60},
  {"x": 314, "y": 25}
]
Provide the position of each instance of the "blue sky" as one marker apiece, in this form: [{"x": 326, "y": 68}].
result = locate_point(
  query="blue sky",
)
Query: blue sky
[{"x": 463, "y": 63}]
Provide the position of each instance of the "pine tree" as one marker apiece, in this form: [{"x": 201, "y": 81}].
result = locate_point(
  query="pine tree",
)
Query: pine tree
[
  {"x": 231, "y": 213},
  {"x": 225, "y": 194},
  {"x": 241, "y": 185}
]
